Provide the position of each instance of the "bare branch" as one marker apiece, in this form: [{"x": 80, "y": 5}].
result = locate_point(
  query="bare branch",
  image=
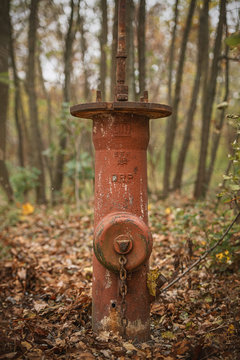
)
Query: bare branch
[{"x": 202, "y": 257}]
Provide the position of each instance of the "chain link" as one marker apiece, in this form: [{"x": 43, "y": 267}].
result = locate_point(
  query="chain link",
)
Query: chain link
[{"x": 123, "y": 292}]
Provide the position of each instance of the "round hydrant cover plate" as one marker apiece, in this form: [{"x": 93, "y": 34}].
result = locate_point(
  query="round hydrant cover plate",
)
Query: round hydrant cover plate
[{"x": 122, "y": 233}]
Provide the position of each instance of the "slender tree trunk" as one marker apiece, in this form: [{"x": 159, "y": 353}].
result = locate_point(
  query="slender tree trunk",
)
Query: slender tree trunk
[
  {"x": 17, "y": 99},
  {"x": 4, "y": 54},
  {"x": 76, "y": 175},
  {"x": 103, "y": 48},
  {"x": 58, "y": 175},
  {"x": 83, "y": 45},
  {"x": 172, "y": 122},
  {"x": 48, "y": 160},
  {"x": 142, "y": 45},
  {"x": 130, "y": 50},
  {"x": 114, "y": 49},
  {"x": 201, "y": 184},
  {"x": 202, "y": 34},
  {"x": 171, "y": 53},
  {"x": 32, "y": 98},
  {"x": 218, "y": 129},
  {"x": 47, "y": 98}
]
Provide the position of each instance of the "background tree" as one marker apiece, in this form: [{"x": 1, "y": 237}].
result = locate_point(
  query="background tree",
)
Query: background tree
[
  {"x": 222, "y": 108},
  {"x": 36, "y": 140},
  {"x": 58, "y": 175},
  {"x": 172, "y": 122},
  {"x": 114, "y": 48},
  {"x": 172, "y": 52},
  {"x": 103, "y": 48},
  {"x": 83, "y": 46},
  {"x": 209, "y": 95},
  {"x": 4, "y": 81},
  {"x": 18, "y": 107},
  {"x": 141, "y": 32},
  {"x": 202, "y": 53},
  {"x": 130, "y": 73}
]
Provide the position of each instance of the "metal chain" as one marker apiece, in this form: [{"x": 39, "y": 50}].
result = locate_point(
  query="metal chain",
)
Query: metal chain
[{"x": 123, "y": 292}]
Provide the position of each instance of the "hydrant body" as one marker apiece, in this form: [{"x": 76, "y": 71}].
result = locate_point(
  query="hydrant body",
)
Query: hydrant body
[
  {"x": 120, "y": 136},
  {"x": 120, "y": 142}
]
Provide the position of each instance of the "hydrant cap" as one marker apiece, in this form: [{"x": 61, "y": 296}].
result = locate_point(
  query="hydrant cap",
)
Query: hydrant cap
[{"x": 122, "y": 233}]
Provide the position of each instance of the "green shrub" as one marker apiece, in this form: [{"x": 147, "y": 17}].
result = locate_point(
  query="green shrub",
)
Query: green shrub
[{"x": 23, "y": 180}]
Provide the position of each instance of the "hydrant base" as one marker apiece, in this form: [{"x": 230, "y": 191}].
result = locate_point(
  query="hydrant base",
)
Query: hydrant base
[{"x": 106, "y": 307}]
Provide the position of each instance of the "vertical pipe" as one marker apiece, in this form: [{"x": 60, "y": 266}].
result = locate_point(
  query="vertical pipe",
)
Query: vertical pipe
[
  {"x": 120, "y": 142},
  {"x": 121, "y": 90}
]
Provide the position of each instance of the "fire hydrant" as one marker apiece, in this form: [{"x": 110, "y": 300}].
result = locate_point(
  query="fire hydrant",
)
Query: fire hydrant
[{"x": 122, "y": 239}]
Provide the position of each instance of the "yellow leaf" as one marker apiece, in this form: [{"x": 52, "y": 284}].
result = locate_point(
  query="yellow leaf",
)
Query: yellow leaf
[
  {"x": 26, "y": 345},
  {"x": 168, "y": 335},
  {"x": 152, "y": 277},
  {"x": 149, "y": 207},
  {"x": 219, "y": 256},
  {"x": 168, "y": 211},
  {"x": 231, "y": 329},
  {"x": 27, "y": 209}
]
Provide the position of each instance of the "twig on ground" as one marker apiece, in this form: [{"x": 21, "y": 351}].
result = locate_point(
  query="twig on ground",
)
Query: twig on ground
[{"x": 202, "y": 257}]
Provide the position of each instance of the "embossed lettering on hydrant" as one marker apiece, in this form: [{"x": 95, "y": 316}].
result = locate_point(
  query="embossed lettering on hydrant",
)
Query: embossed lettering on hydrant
[
  {"x": 121, "y": 128},
  {"x": 122, "y": 178}
]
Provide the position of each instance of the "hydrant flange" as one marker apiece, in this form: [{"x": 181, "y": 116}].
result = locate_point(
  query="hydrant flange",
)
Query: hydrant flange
[{"x": 122, "y": 233}]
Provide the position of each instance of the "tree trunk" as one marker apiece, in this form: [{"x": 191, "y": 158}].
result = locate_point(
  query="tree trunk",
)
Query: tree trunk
[
  {"x": 83, "y": 45},
  {"x": 32, "y": 100},
  {"x": 201, "y": 182},
  {"x": 4, "y": 53},
  {"x": 48, "y": 160},
  {"x": 171, "y": 53},
  {"x": 218, "y": 128},
  {"x": 17, "y": 99},
  {"x": 202, "y": 41},
  {"x": 47, "y": 98},
  {"x": 172, "y": 122},
  {"x": 103, "y": 48},
  {"x": 142, "y": 45},
  {"x": 130, "y": 50},
  {"x": 114, "y": 49},
  {"x": 58, "y": 175}
]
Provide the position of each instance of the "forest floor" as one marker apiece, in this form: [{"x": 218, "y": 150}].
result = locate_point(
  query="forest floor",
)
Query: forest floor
[{"x": 45, "y": 282}]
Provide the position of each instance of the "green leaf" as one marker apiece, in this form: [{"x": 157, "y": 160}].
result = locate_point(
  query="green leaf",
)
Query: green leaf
[
  {"x": 235, "y": 187},
  {"x": 233, "y": 40},
  {"x": 226, "y": 177},
  {"x": 4, "y": 78},
  {"x": 168, "y": 335}
]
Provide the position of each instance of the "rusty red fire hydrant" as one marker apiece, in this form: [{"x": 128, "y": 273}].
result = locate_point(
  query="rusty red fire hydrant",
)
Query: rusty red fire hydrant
[{"x": 122, "y": 239}]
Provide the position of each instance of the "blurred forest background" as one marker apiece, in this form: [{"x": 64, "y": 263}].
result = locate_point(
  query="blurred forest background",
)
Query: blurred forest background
[{"x": 57, "y": 53}]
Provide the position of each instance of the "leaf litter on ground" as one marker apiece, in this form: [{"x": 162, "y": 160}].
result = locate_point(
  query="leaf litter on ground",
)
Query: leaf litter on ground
[{"x": 45, "y": 309}]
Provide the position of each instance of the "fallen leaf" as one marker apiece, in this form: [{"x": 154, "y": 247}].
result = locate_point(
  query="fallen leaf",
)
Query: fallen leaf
[
  {"x": 26, "y": 344},
  {"x": 129, "y": 346},
  {"x": 38, "y": 306},
  {"x": 27, "y": 209},
  {"x": 86, "y": 356},
  {"x": 103, "y": 336},
  {"x": 168, "y": 335},
  {"x": 181, "y": 347},
  {"x": 168, "y": 211},
  {"x": 8, "y": 356},
  {"x": 22, "y": 274}
]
